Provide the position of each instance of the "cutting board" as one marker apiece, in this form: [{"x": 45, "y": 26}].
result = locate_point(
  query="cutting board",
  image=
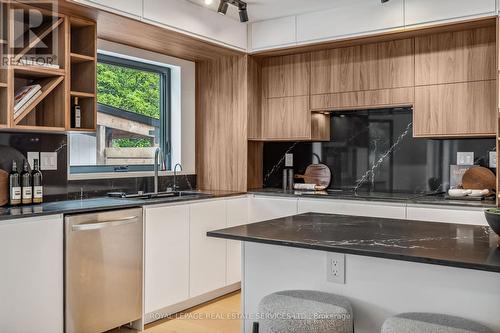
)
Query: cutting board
[
  {"x": 479, "y": 178},
  {"x": 318, "y": 174},
  {"x": 4, "y": 187}
]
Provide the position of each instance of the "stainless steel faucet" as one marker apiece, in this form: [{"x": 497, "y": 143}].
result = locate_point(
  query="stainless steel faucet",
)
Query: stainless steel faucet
[
  {"x": 158, "y": 154},
  {"x": 175, "y": 175}
]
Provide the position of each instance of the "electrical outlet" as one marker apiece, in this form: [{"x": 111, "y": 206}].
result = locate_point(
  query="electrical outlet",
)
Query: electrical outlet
[
  {"x": 289, "y": 160},
  {"x": 465, "y": 158},
  {"x": 335, "y": 267},
  {"x": 33, "y": 155},
  {"x": 48, "y": 161}
]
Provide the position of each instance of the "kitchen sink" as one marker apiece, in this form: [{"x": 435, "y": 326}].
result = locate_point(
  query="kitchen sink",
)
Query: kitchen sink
[{"x": 158, "y": 195}]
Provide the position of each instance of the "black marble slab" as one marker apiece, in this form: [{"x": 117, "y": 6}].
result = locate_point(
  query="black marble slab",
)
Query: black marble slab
[
  {"x": 427, "y": 199},
  {"x": 455, "y": 245},
  {"x": 100, "y": 204}
]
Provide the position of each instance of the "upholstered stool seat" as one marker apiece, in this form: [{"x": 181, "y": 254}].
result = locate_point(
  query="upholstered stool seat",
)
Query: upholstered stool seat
[
  {"x": 417, "y": 322},
  {"x": 305, "y": 311}
]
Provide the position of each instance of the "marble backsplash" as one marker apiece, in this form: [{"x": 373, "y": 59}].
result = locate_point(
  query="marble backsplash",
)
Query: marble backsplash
[
  {"x": 374, "y": 151},
  {"x": 56, "y": 183}
]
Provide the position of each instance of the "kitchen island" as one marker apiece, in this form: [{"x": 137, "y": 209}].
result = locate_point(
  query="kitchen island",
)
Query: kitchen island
[{"x": 387, "y": 266}]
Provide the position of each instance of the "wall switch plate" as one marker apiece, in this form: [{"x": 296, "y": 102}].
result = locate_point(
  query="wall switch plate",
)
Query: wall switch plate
[
  {"x": 465, "y": 158},
  {"x": 33, "y": 155},
  {"x": 48, "y": 161},
  {"x": 493, "y": 159},
  {"x": 335, "y": 267},
  {"x": 288, "y": 160}
]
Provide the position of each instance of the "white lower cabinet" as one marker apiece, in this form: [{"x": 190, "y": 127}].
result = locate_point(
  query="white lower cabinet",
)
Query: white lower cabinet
[
  {"x": 207, "y": 258},
  {"x": 166, "y": 256},
  {"x": 237, "y": 214},
  {"x": 351, "y": 207},
  {"x": 262, "y": 208},
  {"x": 31, "y": 275},
  {"x": 460, "y": 215}
]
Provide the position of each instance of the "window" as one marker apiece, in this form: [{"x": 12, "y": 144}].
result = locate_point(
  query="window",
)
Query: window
[{"x": 133, "y": 119}]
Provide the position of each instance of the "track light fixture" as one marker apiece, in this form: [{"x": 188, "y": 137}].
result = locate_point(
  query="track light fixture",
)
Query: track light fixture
[
  {"x": 242, "y": 8},
  {"x": 222, "y": 7}
]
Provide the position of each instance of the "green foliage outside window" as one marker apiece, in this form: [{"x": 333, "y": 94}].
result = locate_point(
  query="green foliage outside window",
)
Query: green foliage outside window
[
  {"x": 132, "y": 143},
  {"x": 129, "y": 89}
]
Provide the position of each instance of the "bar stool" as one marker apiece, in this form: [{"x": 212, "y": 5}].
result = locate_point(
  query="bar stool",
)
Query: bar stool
[
  {"x": 417, "y": 322},
  {"x": 304, "y": 311}
]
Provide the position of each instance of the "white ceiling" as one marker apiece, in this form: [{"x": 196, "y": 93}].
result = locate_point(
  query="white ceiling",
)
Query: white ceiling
[{"x": 266, "y": 9}]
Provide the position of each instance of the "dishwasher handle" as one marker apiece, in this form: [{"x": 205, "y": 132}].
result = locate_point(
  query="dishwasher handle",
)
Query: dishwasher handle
[{"x": 103, "y": 224}]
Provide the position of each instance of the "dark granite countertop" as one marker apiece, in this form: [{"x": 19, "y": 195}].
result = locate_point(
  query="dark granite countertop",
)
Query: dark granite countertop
[
  {"x": 99, "y": 204},
  {"x": 456, "y": 245},
  {"x": 407, "y": 198}
]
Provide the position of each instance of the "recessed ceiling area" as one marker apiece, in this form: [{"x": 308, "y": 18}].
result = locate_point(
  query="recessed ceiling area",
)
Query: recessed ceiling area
[{"x": 259, "y": 10}]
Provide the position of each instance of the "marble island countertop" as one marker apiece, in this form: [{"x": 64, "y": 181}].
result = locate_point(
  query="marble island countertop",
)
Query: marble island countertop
[{"x": 456, "y": 245}]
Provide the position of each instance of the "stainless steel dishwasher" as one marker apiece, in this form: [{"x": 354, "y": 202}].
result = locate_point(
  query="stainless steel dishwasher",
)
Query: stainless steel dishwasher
[{"x": 103, "y": 270}]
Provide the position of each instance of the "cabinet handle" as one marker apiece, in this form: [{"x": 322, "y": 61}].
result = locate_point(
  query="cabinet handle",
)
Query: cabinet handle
[{"x": 103, "y": 224}]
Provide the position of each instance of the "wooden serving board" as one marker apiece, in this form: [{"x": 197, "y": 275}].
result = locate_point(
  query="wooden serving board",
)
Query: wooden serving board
[
  {"x": 318, "y": 174},
  {"x": 479, "y": 178}
]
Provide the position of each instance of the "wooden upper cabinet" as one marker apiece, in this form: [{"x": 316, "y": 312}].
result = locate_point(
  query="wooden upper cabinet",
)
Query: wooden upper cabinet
[
  {"x": 455, "y": 57},
  {"x": 286, "y": 76},
  {"x": 375, "y": 66},
  {"x": 286, "y": 118},
  {"x": 455, "y": 110}
]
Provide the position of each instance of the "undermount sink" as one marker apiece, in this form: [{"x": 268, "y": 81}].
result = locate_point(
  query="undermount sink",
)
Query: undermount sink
[{"x": 158, "y": 195}]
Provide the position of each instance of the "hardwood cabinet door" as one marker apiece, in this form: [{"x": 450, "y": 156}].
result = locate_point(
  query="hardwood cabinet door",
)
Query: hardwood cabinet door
[
  {"x": 286, "y": 76},
  {"x": 31, "y": 278},
  {"x": 286, "y": 118},
  {"x": 455, "y": 56},
  {"x": 207, "y": 255},
  {"x": 457, "y": 109},
  {"x": 167, "y": 256},
  {"x": 423, "y": 11},
  {"x": 374, "y": 66}
]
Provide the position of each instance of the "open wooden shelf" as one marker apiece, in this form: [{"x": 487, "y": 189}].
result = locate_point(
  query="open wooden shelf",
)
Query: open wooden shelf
[
  {"x": 82, "y": 94},
  {"x": 79, "y": 58},
  {"x": 48, "y": 85},
  {"x": 37, "y": 71},
  {"x": 38, "y": 35},
  {"x": 68, "y": 42}
]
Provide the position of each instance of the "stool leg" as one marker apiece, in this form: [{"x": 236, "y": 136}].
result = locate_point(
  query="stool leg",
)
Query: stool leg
[{"x": 255, "y": 327}]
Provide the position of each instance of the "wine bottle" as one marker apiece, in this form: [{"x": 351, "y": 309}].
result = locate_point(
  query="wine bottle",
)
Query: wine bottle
[
  {"x": 14, "y": 186},
  {"x": 76, "y": 115},
  {"x": 26, "y": 189},
  {"x": 37, "y": 183}
]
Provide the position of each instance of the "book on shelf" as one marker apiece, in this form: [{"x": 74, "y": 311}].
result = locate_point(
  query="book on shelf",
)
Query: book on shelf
[
  {"x": 24, "y": 94},
  {"x": 28, "y": 62},
  {"x": 18, "y": 112}
]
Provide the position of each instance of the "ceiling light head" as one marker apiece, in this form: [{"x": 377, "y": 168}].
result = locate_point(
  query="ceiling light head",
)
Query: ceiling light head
[
  {"x": 243, "y": 14},
  {"x": 208, "y": 2},
  {"x": 222, "y": 7}
]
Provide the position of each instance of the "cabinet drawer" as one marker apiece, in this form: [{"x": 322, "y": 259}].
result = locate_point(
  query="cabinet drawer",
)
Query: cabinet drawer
[{"x": 458, "y": 215}]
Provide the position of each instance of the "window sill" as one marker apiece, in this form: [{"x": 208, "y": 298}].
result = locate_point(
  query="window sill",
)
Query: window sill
[{"x": 131, "y": 174}]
